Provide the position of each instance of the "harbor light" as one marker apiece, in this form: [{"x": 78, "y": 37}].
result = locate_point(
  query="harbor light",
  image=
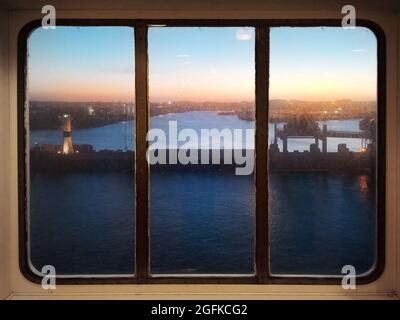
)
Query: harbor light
[{"x": 67, "y": 130}]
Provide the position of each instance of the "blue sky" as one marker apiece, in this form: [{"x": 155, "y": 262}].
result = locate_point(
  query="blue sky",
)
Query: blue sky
[
  {"x": 201, "y": 64},
  {"x": 323, "y": 63},
  {"x": 81, "y": 64}
]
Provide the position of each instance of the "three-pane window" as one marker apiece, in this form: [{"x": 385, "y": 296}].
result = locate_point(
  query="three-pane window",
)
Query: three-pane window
[{"x": 201, "y": 154}]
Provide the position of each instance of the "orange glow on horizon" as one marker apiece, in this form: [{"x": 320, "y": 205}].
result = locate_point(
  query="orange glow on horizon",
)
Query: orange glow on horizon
[
  {"x": 208, "y": 86},
  {"x": 107, "y": 87}
]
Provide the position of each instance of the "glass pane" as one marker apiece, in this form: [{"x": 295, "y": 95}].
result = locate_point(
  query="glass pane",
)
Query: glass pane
[
  {"x": 202, "y": 210},
  {"x": 323, "y": 108},
  {"x": 81, "y": 141}
]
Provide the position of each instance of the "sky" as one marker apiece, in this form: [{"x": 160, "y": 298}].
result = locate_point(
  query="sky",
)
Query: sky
[
  {"x": 323, "y": 64},
  {"x": 201, "y": 64}
]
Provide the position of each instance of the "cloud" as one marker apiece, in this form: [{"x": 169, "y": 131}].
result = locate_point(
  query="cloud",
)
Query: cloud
[
  {"x": 358, "y": 50},
  {"x": 244, "y": 34}
]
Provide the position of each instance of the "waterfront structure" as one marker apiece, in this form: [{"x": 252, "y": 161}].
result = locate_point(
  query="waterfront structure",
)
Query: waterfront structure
[
  {"x": 67, "y": 131},
  {"x": 287, "y": 133}
]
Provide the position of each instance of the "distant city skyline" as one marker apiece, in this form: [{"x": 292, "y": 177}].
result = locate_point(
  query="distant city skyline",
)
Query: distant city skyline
[{"x": 201, "y": 64}]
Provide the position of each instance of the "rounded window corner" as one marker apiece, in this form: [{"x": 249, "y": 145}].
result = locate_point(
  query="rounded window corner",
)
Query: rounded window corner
[{"x": 29, "y": 272}]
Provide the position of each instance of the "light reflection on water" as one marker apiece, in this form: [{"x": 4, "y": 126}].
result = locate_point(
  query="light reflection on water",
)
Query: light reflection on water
[{"x": 201, "y": 222}]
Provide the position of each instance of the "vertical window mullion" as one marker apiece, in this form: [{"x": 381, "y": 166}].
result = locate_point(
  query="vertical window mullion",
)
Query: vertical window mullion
[
  {"x": 142, "y": 167},
  {"x": 261, "y": 125}
]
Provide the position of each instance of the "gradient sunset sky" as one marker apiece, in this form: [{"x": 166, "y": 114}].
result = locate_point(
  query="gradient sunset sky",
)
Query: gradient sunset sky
[{"x": 201, "y": 64}]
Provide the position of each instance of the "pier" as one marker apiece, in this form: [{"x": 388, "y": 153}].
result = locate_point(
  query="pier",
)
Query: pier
[
  {"x": 323, "y": 135},
  {"x": 67, "y": 157}
]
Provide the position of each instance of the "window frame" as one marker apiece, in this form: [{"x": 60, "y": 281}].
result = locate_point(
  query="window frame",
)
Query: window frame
[{"x": 142, "y": 170}]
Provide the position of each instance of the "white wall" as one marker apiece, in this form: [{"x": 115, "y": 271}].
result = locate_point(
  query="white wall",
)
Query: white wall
[{"x": 4, "y": 172}]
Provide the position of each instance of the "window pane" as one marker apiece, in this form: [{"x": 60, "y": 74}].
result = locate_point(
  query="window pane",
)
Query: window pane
[
  {"x": 323, "y": 112},
  {"x": 81, "y": 167},
  {"x": 202, "y": 215}
]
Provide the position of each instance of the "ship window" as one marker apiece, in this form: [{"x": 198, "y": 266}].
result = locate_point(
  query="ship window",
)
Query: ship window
[
  {"x": 201, "y": 83},
  {"x": 202, "y": 152},
  {"x": 80, "y": 107},
  {"x": 323, "y": 151}
]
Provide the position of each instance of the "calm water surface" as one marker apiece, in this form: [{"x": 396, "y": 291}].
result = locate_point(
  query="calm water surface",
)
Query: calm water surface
[{"x": 201, "y": 222}]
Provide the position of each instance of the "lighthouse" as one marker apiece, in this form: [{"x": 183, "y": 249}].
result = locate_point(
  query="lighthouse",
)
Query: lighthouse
[{"x": 67, "y": 130}]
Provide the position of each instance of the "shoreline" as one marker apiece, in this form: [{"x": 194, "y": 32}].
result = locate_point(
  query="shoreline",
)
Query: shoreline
[
  {"x": 361, "y": 162},
  {"x": 216, "y": 112}
]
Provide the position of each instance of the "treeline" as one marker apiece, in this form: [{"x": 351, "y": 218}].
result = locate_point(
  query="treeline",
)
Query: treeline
[{"x": 49, "y": 115}]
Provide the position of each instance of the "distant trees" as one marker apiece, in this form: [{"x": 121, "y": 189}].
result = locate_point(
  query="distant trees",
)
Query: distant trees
[
  {"x": 49, "y": 115},
  {"x": 302, "y": 125},
  {"x": 368, "y": 124}
]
